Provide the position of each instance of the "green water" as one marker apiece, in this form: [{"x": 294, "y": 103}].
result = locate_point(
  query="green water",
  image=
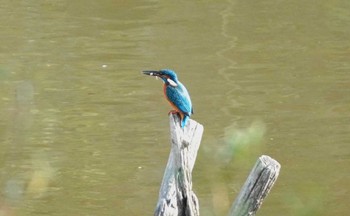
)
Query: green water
[{"x": 82, "y": 132}]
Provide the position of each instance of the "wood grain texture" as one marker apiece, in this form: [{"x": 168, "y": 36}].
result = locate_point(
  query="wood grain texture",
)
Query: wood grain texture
[
  {"x": 257, "y": 186},
  {"x": 176, "y": 196}
]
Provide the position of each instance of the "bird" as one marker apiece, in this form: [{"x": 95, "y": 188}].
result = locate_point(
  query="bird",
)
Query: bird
[{"x": 175, "y": 92}]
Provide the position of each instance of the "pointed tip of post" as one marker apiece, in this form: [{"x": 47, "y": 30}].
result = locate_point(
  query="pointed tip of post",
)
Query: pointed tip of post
[
  {"x": 175, "y": 123},
  {"x": 270, "y": 162},
  {"x": 184, "y": 135}
]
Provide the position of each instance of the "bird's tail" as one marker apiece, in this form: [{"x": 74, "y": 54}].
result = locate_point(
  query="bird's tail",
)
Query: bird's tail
[{"x": 184, "y": 121}]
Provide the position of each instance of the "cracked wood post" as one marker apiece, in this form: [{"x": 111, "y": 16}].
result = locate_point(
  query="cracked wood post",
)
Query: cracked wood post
[
  {"x": 257, "y": 186},
  {"x": 176, "y": 197}
]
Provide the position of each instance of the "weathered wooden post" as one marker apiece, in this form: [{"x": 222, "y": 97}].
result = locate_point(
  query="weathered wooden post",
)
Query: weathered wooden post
[
  {"x": 176, "y": 197},
  {"x": 257, "y": 186}
]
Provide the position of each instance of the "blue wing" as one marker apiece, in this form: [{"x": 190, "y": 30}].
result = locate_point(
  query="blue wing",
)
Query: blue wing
[{"x": 180, "y": 98}]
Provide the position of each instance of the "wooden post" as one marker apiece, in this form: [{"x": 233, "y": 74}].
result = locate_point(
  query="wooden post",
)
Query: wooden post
[
  {"x": 176, "y": 197},
  {"x": 257, "y": 186}
]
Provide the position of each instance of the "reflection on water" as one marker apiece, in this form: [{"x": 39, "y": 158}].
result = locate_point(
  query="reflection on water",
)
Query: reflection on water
[
  {"x": 82, "y": 127},
  {"x": 241, "y": 142}
]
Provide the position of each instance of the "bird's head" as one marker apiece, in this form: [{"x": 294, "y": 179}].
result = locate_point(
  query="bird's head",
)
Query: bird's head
[{"x": 168, "y": 76}]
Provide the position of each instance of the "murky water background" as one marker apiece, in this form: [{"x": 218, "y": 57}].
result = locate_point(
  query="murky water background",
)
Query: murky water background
[{"x": 82, "y": 132}]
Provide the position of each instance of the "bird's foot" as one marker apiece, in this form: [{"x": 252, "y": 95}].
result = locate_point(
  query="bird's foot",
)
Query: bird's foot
[{"x": 173, "y": 112}]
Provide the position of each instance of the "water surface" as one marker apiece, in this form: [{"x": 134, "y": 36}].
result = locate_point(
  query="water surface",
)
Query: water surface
[{"x": 82, "y": 132}]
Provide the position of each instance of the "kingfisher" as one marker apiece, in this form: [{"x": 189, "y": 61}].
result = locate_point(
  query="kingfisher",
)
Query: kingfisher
[{"x": 175, "y": 92}]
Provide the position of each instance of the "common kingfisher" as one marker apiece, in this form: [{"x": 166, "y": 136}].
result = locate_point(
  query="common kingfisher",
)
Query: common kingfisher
[{"x": 175, "y": 92}]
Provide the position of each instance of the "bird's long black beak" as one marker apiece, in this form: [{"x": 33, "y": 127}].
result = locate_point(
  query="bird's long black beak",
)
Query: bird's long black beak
[{"x": 152, "y": 73}]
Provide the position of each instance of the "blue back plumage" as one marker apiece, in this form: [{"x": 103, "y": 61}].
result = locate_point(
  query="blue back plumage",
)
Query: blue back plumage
[
  {"x": 180, "y": 98},
  {"x": 178, "y": 95}
]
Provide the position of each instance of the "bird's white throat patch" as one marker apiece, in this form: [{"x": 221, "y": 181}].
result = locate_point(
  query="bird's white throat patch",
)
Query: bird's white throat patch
[{"x": 171, "y": 82}]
